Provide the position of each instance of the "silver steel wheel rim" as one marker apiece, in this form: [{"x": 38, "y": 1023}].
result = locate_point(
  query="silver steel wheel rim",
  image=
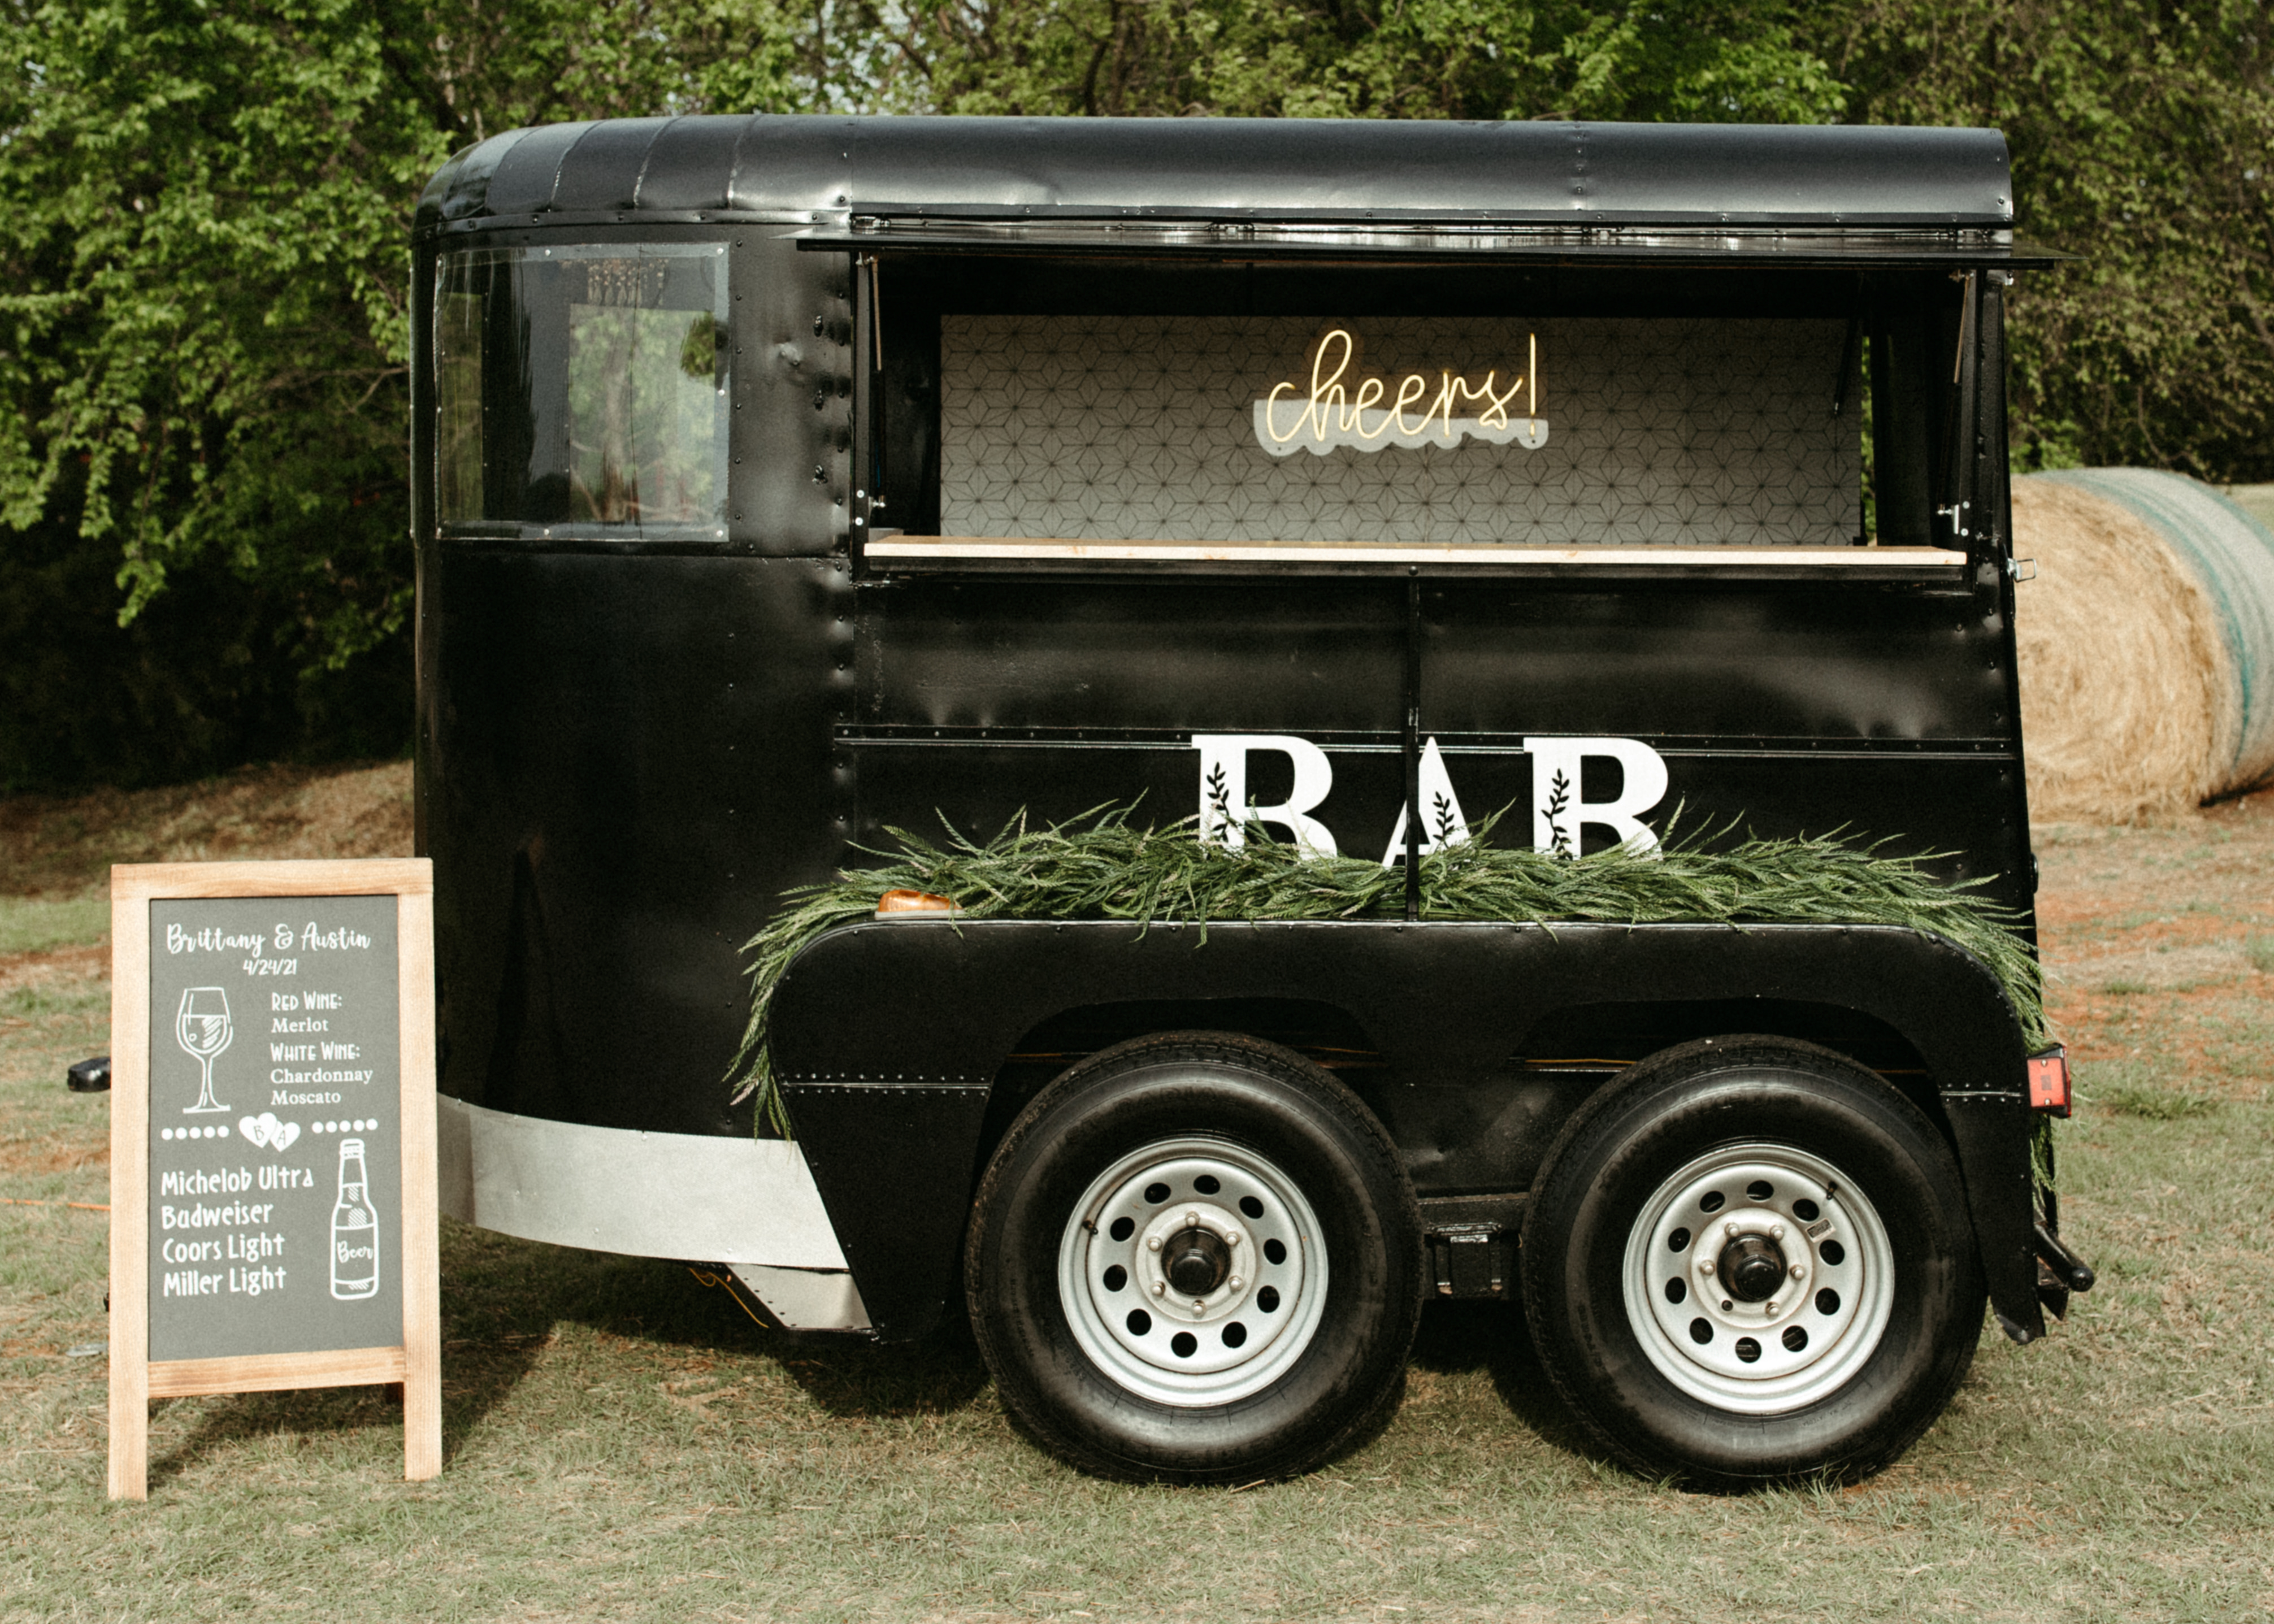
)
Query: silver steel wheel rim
[
  {"x": 1226, "y": 1343},
  {"x": 1789, "y": 1349}
]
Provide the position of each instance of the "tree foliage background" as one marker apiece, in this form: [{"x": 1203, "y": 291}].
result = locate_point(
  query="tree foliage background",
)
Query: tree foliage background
[{"x": 205, "y": 204}]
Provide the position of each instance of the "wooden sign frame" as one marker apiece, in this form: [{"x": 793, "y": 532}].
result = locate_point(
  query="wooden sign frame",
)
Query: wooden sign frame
[{"x": 415, "y": 1366}]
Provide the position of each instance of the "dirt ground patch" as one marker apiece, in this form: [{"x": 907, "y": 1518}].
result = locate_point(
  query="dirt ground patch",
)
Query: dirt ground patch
[
  {"x": 2159, "y": 969},
  {"x": 2159, "y": 944},
  {"x": 31, "y": 972},
  {"x": 53, "y": 844},
  {"x": 56, "y": 1153},
  {"x": 2163, "y": 869}
]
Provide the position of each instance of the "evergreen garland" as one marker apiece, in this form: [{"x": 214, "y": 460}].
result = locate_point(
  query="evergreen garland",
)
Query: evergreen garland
[{"x": 1101, "y": 865}]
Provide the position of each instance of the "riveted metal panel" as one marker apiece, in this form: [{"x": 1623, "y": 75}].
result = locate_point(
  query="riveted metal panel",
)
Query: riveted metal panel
[
  {"x": 1835, "y": 662},
  {"x": 923, "y": 1139},
  {"x": 793, "y": 434},
  {"x": 604, "y": 168},
  {"x": 798, "y": 164},
  {"x": 690, "y": 163},
  {"x": 1748, "y": 172},
  {"x": 459, "y": 189},
  {"x": 627, "y": 757},
  {"x": 1231, "y": 167},
  {"x": 1314, "y": 655},
  {"x": 530, "y": 170}
]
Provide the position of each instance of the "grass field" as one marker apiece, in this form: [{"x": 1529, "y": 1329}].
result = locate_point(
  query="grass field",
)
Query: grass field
[{"x": 623, "y": 1443}]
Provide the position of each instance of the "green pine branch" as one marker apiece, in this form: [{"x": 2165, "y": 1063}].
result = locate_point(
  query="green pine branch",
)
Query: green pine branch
[{"x": 1102, "y": 865}]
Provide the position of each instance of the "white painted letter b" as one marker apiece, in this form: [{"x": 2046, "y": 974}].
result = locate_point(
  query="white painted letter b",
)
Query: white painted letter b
[
  {"x": 1225, "y": 808},
  {"x": 1558, "y": 814}
]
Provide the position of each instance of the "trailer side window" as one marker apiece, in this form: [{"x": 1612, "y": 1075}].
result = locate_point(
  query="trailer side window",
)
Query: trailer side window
[
  {"x": 1558, "y": 430},
  {"x": 582, "y": 389}
]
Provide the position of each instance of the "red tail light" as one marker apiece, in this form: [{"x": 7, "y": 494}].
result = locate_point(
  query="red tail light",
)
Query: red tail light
[{"x": 2049, "y": 1081}]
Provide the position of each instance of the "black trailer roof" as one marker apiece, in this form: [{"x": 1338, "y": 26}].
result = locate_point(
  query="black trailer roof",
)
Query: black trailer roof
[{"x": 1287, "y": 186}]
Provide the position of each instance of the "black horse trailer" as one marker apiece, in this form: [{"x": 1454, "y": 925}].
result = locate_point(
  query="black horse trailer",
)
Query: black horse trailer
[{"x": 781, "y": 481}]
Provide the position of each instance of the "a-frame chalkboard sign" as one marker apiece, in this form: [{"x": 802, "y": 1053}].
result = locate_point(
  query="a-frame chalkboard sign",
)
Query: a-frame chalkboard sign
[{"x": 272, "y": 1140}]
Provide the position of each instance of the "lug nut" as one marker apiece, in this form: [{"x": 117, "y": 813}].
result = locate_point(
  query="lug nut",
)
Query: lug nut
[
  {"x": 1705, "y": 1266},
  {"x": 1153, "y": 1244},
  {"x": 1797, "y": 1271},
  {"x": 1160, "y": 1288},
  {"x": 1231, "y": 1237},
  {"x": 1191, "y": 1220},
  {"x": 1729, "y": 1229},
  {"x": 1776, "y": 1231},
  {"x": 1198, "y": 1305},
  {"x": 1772, "y": 1306},
  {"x": 1234, "y": 1282}
]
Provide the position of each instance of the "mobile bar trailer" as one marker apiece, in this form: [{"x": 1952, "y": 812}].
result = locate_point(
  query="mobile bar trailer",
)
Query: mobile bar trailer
[{"x": 782, "y": 481}]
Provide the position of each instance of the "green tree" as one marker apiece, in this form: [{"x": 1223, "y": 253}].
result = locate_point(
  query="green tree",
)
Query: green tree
[
  {"x": 206, "y": 310},
  {"x": 2142, "y": 136},
  {"x": 203, "y": 345},
  {"x": 1712, "y": 60}
]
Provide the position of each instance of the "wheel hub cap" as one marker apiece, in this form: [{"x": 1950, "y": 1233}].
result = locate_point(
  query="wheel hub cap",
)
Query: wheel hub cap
[
  {"x": 1190, "y": 1272},
  {"x": 1196, "y": 1261},
  {"x": 1752, "y": 1267},
  {"x": 1758, "y": 1279}
]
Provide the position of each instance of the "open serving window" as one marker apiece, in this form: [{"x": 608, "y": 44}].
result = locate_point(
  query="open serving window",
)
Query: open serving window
[{"x": 1042, "y": 414}]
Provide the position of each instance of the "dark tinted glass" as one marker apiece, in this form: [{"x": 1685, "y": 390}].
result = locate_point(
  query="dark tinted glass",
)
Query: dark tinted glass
[{"x": 582, "y": 389}]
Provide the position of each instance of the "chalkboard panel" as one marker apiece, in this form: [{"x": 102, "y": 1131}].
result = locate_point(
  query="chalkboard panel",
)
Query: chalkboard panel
[
  {"x": 272, "y": 1140},
  {"x": 275, "y": 1126}
]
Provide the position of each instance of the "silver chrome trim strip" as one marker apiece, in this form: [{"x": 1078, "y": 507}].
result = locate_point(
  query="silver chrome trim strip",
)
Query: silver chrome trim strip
[
  {"x": 648, "y": 1195},
  {"x": 945, "y": 547}
]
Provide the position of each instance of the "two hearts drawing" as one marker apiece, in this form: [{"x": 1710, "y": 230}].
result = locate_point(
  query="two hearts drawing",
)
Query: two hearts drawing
[{"x": 265, "y": 1130}]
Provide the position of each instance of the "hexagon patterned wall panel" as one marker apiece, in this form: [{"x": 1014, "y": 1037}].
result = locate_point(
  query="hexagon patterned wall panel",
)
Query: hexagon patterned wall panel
[{"x": 1656, "y": 433}]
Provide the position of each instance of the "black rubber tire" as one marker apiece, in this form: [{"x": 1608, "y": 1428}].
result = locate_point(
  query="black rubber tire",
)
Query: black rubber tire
[
  {"x": 1614, "y": 1154},
  {"x": 1274, "y": 1103}
]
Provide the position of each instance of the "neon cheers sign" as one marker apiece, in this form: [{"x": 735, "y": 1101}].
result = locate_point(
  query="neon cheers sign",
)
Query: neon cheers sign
[{"x": 1365, "y": 414}]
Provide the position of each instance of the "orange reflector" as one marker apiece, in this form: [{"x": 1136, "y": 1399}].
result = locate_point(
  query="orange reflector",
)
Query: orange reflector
[
  {"x": 913, "y": 902},
  {"x": 2049, "y": 1081}
]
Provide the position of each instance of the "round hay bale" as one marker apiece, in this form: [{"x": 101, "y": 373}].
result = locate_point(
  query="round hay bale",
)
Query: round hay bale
[{"x": 2146, "y": 643}]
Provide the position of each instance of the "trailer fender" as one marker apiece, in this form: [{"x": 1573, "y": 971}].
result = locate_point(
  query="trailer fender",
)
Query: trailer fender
[{"x": 888, "y": 1037}]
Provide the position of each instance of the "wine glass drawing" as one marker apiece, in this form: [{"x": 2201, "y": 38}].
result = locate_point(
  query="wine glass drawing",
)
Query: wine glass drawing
[{"x": 202, "y": 1028}]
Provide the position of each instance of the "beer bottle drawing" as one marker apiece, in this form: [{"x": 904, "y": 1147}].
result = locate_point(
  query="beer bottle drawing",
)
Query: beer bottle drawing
[{"x": 355, "y": 1230}]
